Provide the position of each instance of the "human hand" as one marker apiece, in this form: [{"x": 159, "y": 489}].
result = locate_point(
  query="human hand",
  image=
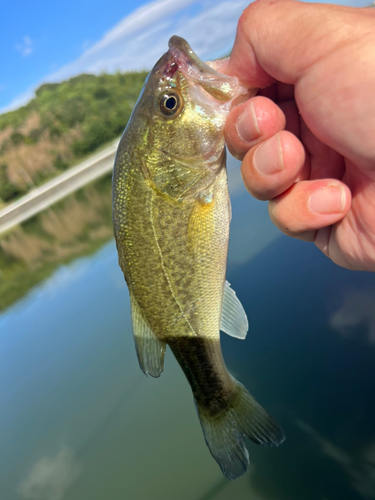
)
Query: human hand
[{"x": 307, "y": 140}]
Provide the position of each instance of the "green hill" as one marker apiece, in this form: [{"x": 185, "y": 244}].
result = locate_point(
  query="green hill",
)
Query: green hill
[{"x": 64, "y": 122}]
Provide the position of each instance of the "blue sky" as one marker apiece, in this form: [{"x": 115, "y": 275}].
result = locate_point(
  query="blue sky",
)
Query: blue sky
[
  {"x": 59, "y": 32},
  {"x": 51, "y": 41}
]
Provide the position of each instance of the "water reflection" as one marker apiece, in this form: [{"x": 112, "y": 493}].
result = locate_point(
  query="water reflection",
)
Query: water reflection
[
  {"x": 360, "y": 466},
  {"x": 356, "y": 314},
  {"x": 51, "y": 476},
  {"x": 76, "y": 226},
  {"x": 82, "y": 421},
  {"x": 248, "y": 212}
]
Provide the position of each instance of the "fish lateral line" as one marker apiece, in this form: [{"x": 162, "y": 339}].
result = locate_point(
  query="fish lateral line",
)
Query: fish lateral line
[{"x": 165, "y": 271}]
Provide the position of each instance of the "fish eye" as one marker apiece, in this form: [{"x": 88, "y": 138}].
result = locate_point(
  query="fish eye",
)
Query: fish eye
[{"x": 170, "y": 104}]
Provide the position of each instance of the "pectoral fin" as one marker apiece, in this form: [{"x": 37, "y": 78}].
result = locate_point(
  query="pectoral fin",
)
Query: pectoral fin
[
  {"x": 200, "y": 226},
  {"x": 233, "y": 317},
  {"x": 150, "y": 350}
]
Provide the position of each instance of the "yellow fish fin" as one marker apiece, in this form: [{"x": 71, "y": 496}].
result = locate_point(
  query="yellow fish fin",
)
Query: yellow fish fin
[
  {"x": 233, "y": 317},
  {"x": 150, "y": 350},
  {"x": 201, "y": 224}
]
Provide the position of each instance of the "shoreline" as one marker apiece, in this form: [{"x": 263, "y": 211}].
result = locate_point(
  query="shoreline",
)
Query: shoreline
[{"x": 54, "y": 190}]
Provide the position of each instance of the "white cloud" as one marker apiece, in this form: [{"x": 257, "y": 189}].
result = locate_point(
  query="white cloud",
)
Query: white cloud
[
  {"x": 139, "y": 20},
  {"x": 357, "y": 309},
  {"x": 360, "y": 466},
  {"x": 329, "y": 449},
  {"x": 139, "y": 39},
  {"x": 26, "y": 47},
  {"x": 51, "y": 476}
]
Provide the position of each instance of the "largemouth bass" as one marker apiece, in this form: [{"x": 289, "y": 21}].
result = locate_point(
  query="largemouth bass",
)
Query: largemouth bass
[{"x": 171, "y": 214}]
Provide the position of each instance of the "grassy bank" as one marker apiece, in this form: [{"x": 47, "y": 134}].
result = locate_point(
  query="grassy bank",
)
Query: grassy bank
[{"x": 64, "y": 123}]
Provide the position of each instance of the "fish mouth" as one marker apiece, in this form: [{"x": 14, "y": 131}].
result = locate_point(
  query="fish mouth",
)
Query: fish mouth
[{"x": 221, "y": 87}]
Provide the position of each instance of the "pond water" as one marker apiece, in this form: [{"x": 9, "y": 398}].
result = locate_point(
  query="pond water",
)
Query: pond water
[{"x": 79, "y": 419}]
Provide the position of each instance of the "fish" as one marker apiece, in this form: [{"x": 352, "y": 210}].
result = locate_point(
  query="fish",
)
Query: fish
[{"x": 171, "y": 216}]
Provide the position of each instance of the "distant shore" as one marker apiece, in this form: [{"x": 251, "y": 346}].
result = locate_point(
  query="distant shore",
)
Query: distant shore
[{"x": 42, "y": 197}]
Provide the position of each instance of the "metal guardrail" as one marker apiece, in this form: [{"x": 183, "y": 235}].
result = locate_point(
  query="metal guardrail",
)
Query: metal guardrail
[{"x": 42, "y": 197}]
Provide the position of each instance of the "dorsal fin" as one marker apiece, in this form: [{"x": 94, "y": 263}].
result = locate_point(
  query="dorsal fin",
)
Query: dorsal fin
[
  {"x": 233, "y": 317},
  {"x": 150, "y": 350}
]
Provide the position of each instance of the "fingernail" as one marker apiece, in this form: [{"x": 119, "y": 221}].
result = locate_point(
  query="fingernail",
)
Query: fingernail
[
  {"x": 268, "y": 157},
  {"x": 247, "y": 125},
  {"x": 328, "y": 200}
]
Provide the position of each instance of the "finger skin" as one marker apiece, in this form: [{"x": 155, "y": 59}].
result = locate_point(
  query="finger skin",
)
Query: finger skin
[
  {"x": 315, "y": 47},
  {"x": 260, "y": 118},
  {"x": 292, "y": 211},
  {"x": 294, "y": 38},
  {"x": 317, "y": 63},
  {"x": 265, "y": 186}
]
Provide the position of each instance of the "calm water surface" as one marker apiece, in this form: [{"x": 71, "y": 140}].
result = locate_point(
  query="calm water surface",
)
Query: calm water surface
[{"x": 79, "y": 419}]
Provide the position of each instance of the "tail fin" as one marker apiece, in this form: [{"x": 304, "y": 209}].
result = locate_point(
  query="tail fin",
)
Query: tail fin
[{"x": 224, "y": 433}]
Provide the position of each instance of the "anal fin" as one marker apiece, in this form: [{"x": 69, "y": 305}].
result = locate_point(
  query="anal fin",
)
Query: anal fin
[
  {"x": 233, "y": 317},
  {"x": 150, "y": 350}
]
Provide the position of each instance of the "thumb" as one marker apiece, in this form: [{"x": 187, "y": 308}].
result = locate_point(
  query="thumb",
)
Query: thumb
[{"x": 281, "y": 39}]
